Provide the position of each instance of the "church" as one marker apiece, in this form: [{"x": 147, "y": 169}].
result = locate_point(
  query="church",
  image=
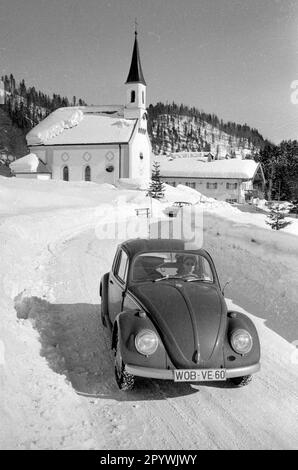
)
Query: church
[{"x": 103, "y": 144}]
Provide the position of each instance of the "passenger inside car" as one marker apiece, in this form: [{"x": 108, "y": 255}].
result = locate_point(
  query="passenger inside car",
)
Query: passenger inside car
[{"x": 146, "y": 267}]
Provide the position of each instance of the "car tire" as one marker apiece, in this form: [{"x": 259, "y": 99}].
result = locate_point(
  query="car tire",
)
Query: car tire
[
  {"x": 241, "y": 381},
  {"x": 125, "y": 381}
]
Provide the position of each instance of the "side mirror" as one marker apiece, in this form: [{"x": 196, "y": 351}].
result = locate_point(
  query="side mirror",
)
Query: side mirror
[{"x": 226, "y": 284}]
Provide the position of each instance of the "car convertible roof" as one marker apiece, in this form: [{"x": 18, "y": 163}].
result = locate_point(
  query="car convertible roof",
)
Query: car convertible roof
[{"x": 138, "y": 245}]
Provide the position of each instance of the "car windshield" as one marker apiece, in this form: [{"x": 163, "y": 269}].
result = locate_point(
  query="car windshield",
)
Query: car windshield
[{"x": 165, "y": 265}]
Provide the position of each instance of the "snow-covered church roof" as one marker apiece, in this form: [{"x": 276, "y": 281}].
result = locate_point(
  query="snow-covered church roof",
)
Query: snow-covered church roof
[
  {"x": 83, "y": 125},
  {"x": 190, "y": 168}
]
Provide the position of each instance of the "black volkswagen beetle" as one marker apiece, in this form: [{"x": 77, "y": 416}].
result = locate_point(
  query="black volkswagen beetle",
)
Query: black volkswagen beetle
[{"x": 169, "y": 320}]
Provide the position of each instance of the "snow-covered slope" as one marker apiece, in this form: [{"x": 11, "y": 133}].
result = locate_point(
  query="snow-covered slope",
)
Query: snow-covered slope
[{"x": 56, "y": 374}]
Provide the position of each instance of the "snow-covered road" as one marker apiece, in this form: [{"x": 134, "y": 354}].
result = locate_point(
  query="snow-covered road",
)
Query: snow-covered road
[
  {"x": 158, "y": 414},
  {"x": 51, "y": 263}
]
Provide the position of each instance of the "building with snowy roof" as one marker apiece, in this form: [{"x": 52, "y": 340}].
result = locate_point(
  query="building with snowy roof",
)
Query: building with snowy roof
[
  {"x": 30, "y": 166},
  {"x": 226, "y": 180},
  {"x": 95, "y": 143}
]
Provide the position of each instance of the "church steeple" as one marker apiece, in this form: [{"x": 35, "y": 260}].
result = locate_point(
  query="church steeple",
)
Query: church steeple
[
  {"x": 135, "y": 74},
  {"x": 136, "y": 89}
]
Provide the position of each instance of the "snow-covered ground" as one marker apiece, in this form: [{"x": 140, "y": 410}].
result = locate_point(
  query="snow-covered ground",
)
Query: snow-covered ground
[{"x": 56, "y": 372}]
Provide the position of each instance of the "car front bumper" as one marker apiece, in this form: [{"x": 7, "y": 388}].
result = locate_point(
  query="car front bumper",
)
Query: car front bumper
[{"x": 168, "y": 374}]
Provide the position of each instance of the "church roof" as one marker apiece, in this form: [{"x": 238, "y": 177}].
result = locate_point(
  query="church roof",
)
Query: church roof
[
  {"x": 135, "y": 72},
  {"x": 83, "y": 125}
]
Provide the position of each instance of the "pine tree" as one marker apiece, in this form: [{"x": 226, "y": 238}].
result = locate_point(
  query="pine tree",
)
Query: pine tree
[
  {"x": 157, "y": 188},
  {"x": 276, "y": 218}
]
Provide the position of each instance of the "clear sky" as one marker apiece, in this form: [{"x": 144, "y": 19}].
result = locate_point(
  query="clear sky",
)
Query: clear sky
[{"x": 236, "y": 58}]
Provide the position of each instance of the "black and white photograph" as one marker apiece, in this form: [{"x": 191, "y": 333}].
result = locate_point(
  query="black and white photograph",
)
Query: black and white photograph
[{"x": 148, "y": 227}]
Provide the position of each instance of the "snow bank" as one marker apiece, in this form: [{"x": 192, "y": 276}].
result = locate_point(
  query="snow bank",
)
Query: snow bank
[
  {"x": 132, "y": 183},
  {"x": 228, "y": 211},
  {"x": 181, "y": 193},
  {"x": 39, "y": 408}
]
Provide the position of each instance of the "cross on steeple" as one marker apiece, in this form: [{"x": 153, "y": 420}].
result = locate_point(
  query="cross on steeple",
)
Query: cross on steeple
[{"x": 136, "y": 26}]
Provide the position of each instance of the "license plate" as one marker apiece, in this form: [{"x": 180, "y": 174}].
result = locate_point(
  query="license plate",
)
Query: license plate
[{"x": 199, "y": 375}]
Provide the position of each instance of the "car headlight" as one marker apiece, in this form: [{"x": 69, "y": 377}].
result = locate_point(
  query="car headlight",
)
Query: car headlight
[
  {"x": 241, "y": 341},
  {"x": 146, "y": 342}
]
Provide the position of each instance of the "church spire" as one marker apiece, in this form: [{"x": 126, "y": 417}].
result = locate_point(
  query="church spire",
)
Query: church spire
[{"x": 135, "y": 74}]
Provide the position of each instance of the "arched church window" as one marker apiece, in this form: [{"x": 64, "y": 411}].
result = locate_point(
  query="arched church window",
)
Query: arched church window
[
  {"x": 88, "y": 173},
  {"x": 65, "y": 173},
  {"x": 132, "y": 96},
  {"x": 143, "y": 97}
]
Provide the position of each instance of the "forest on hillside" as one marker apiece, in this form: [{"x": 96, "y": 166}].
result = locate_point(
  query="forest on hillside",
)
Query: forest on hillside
[
  {"x": 240, "y": 131},
  {"x": 280, "y": 166},
  {"x": 27, "y": 106}
]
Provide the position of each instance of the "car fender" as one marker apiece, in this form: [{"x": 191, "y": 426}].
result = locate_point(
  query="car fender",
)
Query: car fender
[
  {"x": 126, "y": 326},
  {"x": 238, "y": 320}
]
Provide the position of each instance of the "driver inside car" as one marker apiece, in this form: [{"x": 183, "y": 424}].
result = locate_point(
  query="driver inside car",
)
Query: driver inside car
[
  {"x": 189, "y": 265},
  {"x": 186, "y": 265}
]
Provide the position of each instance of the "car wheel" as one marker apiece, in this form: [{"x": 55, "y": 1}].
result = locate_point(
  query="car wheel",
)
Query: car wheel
[
  {"x": 124, "y": 380},
  {"x": 241, "y": 381}
]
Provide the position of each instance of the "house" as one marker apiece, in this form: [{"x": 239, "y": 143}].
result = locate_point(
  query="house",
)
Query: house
[
  {"x": 102, "y": 143},
  {"x": 30, "y": 166},
  {"x": 226, "y": 180}
]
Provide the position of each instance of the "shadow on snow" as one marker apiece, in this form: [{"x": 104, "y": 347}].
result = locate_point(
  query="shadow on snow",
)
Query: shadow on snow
[{"x": 75, "y": 344}]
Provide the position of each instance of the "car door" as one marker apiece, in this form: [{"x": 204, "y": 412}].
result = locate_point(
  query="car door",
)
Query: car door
[{"x": 117, "y": 284}]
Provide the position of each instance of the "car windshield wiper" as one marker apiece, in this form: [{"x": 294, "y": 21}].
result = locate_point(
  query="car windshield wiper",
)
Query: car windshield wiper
[{"x": 167, "y": 277}]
